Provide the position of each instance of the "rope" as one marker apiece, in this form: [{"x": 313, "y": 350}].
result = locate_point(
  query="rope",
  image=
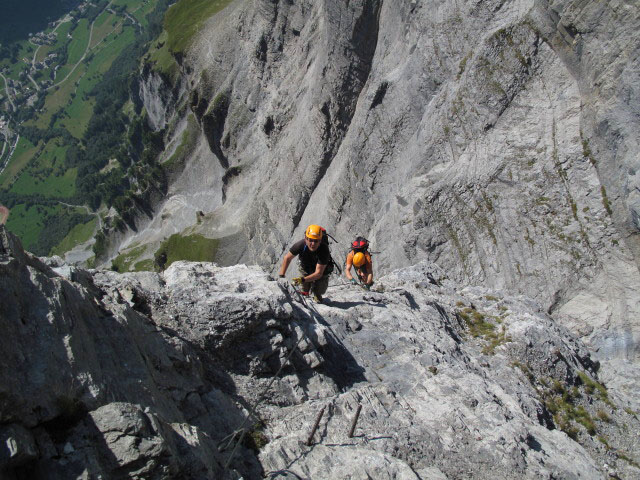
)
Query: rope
[{"x": 231, "y": 438}]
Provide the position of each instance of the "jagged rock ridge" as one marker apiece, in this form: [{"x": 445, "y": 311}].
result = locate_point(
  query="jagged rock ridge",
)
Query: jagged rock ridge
[{"x": 146, "y": 375}]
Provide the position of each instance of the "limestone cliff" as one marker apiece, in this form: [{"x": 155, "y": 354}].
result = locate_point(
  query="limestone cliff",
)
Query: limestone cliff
[{"x": 495, "y": 138}]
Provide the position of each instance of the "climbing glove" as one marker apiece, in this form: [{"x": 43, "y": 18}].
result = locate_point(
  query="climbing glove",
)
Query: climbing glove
[
  {"x": 297, "y": 281},
  {"x": 354, "y": 281}
]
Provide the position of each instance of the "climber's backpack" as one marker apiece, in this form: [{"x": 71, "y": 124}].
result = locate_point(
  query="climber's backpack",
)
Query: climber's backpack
[
  {"x": 360, "y": 244},
  {"x": 332, "y": 264}
]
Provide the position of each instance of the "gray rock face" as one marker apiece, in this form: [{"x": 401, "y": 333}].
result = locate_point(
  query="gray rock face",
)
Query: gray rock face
[
  {"x": 159, "y": 101},
  {"x": 219, "y": 372},
  {"x": 463, "y": 403},
  {"x": 498, "y": 139}
]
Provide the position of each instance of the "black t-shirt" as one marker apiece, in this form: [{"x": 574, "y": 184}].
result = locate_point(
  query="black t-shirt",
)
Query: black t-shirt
[{"x": 309, "y": 259}]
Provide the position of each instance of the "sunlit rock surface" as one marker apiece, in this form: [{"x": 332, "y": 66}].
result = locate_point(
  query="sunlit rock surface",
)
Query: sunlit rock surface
[{"x": 149, "y": 375}]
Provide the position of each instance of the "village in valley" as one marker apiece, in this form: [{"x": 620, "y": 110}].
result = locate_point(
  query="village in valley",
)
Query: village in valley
[
  {"x": 29, "y": 75},
  {"x": 49, "y": 85}
]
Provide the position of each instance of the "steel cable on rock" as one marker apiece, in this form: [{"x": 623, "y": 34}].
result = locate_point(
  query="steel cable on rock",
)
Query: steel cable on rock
[
  {"x": 258, "y": 402},
  {"x": 252, "y": 409},
  {"x": 255, "y": 406}
]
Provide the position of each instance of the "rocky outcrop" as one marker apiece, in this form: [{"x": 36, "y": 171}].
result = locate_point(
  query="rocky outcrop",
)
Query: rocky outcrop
[
  {"x": 90, "y": 386},
  {"x": 158, "y": 96},
  {"x": 211, "y": 372}
]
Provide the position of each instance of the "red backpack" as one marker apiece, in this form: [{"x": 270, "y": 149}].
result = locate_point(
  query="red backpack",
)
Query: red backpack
[{"x": 360, "y": 244}]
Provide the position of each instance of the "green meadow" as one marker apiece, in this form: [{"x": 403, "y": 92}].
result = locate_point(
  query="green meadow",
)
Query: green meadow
[
  {"x": 80, "y": 42},
  {"x": 55, "y": 185},
  {"x": 43, "y": 171},
  {"x": 181, "y": 23},
  {"x": 127, "y": 261},
  {"x": 103, "y": 26},
  {"x": 185, "y": 18},
  {"x": 40, "y": 171}
]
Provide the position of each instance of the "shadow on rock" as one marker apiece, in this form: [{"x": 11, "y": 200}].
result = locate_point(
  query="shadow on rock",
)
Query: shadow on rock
[
  {"x": 339, "y": 365},
  {"x": 347, "y": 305}
]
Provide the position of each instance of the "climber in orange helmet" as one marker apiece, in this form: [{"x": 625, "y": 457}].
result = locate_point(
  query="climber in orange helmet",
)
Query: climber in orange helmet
[{"x": 315, "y": 263}]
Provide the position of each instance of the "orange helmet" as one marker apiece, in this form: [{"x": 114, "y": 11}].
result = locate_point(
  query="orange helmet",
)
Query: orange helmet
[
  {"x": 358, "y": 259},
  {"x": 314, "y": 232}
]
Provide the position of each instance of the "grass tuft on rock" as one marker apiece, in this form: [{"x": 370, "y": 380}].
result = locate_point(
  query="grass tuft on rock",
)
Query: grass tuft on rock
[
  {"x": 626, "y": 458},
  {"x": 591, "y": 387},
  {"x": 526, "y": 370},
  {"x": 495, "y": 339},
  {"x": 479, "y": 327},
  {"x": 476, "y": 323},
  {"x": 255, "y": 439},
  {"x": 563, "y": 405}
]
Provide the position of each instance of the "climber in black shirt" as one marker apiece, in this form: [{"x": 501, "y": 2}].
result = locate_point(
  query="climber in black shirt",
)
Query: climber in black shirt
[{"x": 313, "y": 257}]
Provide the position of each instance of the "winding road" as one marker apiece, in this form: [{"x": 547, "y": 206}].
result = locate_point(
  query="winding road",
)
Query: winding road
[
  {"x": 86, "y": 50},
  {"x": 67, "y": 18},
  {"x": 89, "y": 211},
  {"x": 81, "y": 253},
  {"x": 34, "y": 82}
]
